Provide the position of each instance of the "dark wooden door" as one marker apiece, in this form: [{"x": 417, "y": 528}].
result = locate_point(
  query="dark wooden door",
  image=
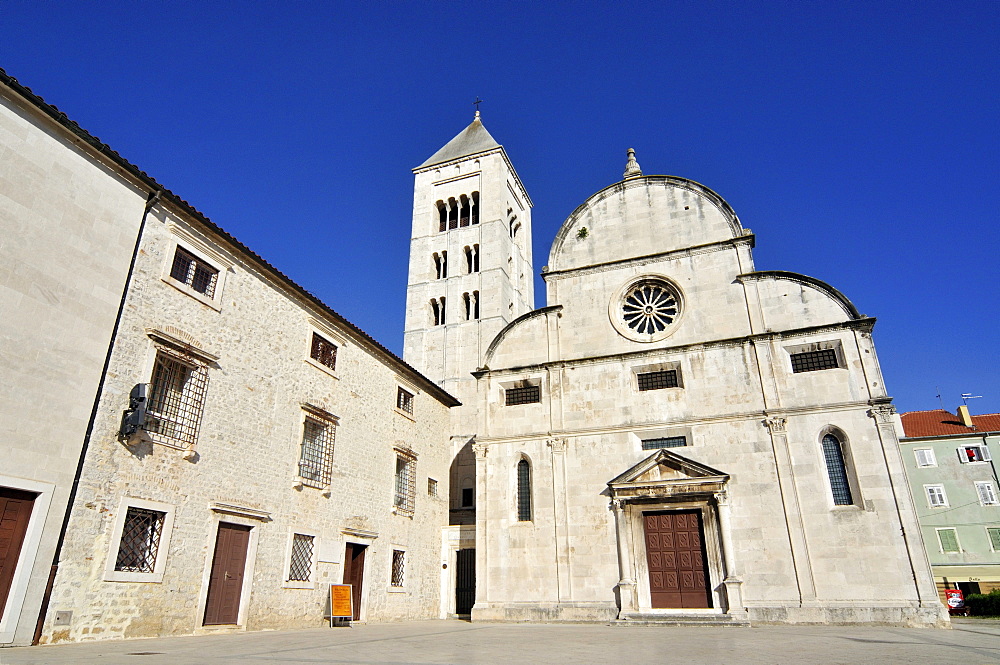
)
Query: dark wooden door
[
  {"x": 465, "y": 581},
  {"x": 15, "y": 511},
  {"x": 226, "y": 581},
  {"x": 354, "y": 574},
  {"x": 675, "y": 552}
]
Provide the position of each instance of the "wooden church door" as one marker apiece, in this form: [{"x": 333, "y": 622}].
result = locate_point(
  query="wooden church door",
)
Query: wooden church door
[{"x": 675, "y": 553}]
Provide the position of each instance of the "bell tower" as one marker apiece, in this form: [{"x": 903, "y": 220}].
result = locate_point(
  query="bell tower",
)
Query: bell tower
[{"x": 470, "y": 263}]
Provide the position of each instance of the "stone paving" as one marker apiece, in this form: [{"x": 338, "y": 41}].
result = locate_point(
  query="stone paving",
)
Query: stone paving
[{"x": 970, "y": 642}]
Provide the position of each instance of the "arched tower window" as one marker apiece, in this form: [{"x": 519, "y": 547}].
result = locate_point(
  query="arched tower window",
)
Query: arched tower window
[
  {"x": 437, "y": 311},
  {"x": 471, "y": 301},
  {"x": 472, "y": 258},
  {"x": 442, "y": 216},
  {"x": 523, "y": 491},
  {"x": 465, "y": 213},
  {"x": 833, "y": 452},
  {"x": 475, "y": 305},
  {"x": 475, "y": 208},
  {"x": 441, "y": 264},
  {"x": 452, "y": 214}
]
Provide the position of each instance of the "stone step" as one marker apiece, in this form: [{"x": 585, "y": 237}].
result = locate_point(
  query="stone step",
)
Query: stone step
[{"x": 682, "y": 620}]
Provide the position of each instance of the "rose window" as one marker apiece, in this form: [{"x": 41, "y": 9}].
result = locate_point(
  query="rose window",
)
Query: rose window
[{"x": 649, "y": 307}]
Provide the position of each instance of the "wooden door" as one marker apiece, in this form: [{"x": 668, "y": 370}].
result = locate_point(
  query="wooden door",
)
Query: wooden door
[
  {"x": 465, "y": 581},
  {"x": 15, "y": 511},
  {"x": 354, "y": 574},
  {"x": 225, "y": 585},
  {"x": 675, "y": 552}
]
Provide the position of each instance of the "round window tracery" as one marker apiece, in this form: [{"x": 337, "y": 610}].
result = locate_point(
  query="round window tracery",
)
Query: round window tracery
[
  {"x": 649, "y": 307},
  {"x": 646, "y": 309}
]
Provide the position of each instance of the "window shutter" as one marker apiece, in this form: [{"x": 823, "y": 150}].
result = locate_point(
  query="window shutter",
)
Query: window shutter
[
  {"x": 987, "y": 496},
  {"x": 949, "y": 541},
  {"x": 994, "y": 533}
]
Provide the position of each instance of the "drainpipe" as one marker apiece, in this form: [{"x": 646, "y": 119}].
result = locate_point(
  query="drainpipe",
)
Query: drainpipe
[{"x": 151, "y": 200}]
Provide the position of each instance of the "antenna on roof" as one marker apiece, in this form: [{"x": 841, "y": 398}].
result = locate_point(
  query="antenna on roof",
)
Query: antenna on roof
[
  {"x": 967, "y": 396},
  {"x": 939, "y": 398}
]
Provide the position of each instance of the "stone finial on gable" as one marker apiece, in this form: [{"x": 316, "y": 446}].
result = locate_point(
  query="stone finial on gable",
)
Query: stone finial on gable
[{"x": 632, "y": 169}]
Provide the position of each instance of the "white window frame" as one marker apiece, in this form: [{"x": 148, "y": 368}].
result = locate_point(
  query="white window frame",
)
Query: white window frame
[
  {"x": 990, "y": 539},
  {"x": 204, "y": 253},
  {"x": 984, "y": 453},
  {"x": 990, "y": 490},
  {"x": 327, "y": 332},
  {"x": 928, "y": 489},
  {"x": 390, "y": 587},
  {"x": 311, "y": 582},
  {"x": 930, "y": 459},
  {"x": 958, "y": 543},
  {"x": 112, "y": 575}
]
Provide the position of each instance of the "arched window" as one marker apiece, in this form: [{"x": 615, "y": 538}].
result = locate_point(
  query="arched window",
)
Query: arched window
[
  {"x": 437, "y": 311},
  {"x": 441, "y": 264},
  {"x": 523, "y": 491},
  {"x": 468, "y": 306},
  {"x": 833, "y": 451},
  {"x": 475, "y": 305},
  {"x": 442, "y": 216},
  {"x": 465, "y": 211},
  {"x": 472, "y": 258},
  {"x": 452, "y": 214},
  {"x": 475, "y": 208}
]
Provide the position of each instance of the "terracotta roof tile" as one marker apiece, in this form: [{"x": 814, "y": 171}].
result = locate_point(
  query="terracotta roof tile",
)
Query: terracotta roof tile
[{"x": 942, "y": 423}]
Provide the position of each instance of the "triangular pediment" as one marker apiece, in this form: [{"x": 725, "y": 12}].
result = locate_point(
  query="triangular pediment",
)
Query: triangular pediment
[{"x": 665, "y": 473}]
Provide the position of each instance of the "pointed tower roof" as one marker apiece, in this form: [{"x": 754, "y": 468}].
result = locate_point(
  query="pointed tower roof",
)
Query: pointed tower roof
[{"x": 471, "y": 140}]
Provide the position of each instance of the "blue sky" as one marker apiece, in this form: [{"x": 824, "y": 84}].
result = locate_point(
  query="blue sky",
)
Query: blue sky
[{"x": 859, "y": 140}]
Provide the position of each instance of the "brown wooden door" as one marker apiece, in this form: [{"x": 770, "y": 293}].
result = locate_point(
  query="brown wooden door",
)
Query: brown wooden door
[
  {"x": 354, "y": 574},
  {"x": 15, "y": 511},
  {"x": 675, "y": 552},
  {"x": 226, "y": 581}
]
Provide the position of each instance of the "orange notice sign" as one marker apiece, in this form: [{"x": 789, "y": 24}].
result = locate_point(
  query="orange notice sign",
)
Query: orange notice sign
[{"x": 341, "y": 601}]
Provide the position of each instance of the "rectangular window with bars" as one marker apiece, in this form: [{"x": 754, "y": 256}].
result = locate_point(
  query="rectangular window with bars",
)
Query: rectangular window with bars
[
  {"x": 664, "y": 442},
  {"x": 300, "y": 564},
  {"x": 432, "y": 487},
  {"x": 398, "y": 565},
  {"x": 522, "y": 395},
  {"x": 658, "y": 380},
  {"x": 316, "y": 457},
  {"x": 948, "y": 539},
  {"x": 176, "y": 398},
  {"x": 323, "y": 351},
  {"x": 189, "y": 269},
  {"x": 405, "y": 490},
  {"x": 404, "y": 400},
  {"x": 140, "y": 542},
  {"x": 811, "y": 361}
]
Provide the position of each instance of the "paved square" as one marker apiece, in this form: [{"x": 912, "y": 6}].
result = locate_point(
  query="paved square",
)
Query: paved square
[{"x": 456, "y": 642}]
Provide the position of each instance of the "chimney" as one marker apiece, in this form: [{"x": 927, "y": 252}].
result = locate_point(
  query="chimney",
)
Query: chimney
[{"x": 965, "y": 417}]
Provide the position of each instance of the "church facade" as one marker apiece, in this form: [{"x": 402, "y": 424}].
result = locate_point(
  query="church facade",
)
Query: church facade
[{"x": 675, "y": 435}]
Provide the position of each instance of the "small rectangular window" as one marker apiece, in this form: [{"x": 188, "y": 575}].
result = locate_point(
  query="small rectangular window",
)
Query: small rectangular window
[
  {"x": 140, "y": 540},
  {"x": 405, "y": 490},
  {"x": 973, "y": 453},
  {"x": 925, "y": 457},
  {"x": 404, "y": 401},
  {"x": 432, "y": 487},
  {"x": 522, "y": 395},
  {"x": 987, "y": 494},
  {"x": 664, "y": 442},
  {"x": 300, "y": 565},
  {"x": 936, "y": 498},
  {"x": 323, "y": 351},
  {"x": 190, "y": 270},
  {"x": 658, "y": 380},
  {"x": 316, "y": 457},
  {"x": 994, "y": 535},
  {"x": 811, "y": 361},
  {"x": 398, "y": 564},
  {"x": 468, "y": 497},
  {"x": 948, "y": 538}
]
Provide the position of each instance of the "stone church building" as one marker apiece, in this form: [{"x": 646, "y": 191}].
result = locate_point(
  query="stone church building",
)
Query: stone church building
[{"x": 674, "y": 436}]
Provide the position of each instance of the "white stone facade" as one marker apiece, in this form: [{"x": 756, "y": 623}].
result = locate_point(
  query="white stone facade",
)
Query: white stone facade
[{"x": 777, "y": 545}]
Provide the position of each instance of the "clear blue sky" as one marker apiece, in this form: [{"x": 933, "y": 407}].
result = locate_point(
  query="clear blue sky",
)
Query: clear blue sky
[{"x": 859, "y": 140}]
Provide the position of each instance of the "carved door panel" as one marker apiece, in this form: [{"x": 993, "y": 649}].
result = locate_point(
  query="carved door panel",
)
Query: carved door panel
[{"x": 675, "y": 554}]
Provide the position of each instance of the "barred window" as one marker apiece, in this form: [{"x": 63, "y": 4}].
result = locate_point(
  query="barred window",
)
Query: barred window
[
  {"x": 194, "y": 272},
  {"x": 300, "y": 565},
  {"x": 432, "y": 487},
  {"x": 316, "y": 460},
  {"x": 398, "y": 563},
  {"x": 522, "y": 395},
  {"x": 140, "y": 540},
  {"x": 811, "y": 361},
  {"x": 404, "y": 401},
  {"x": 664, "y": 442},
  {"x": 323, "y": 351},
  {"x": 837, "y": 470},
  {"x": 658, "y": 380},
  {"x": 176, "y": 398},
  {"x": 523, "y": 491},
  {"x": 405, "y": 486}
]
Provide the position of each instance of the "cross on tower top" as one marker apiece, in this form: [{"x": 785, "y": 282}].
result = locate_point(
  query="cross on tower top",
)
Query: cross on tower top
[{"x": 476, "y": 104}]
